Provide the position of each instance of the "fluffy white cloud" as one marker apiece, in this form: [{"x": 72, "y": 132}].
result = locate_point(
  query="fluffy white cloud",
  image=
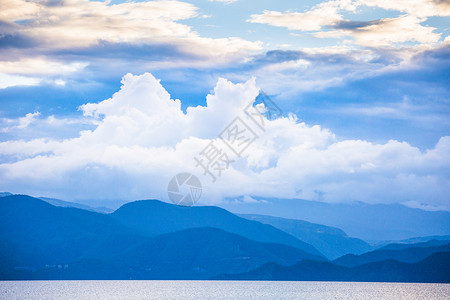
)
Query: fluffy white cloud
[{"x": 143, "y": 138}]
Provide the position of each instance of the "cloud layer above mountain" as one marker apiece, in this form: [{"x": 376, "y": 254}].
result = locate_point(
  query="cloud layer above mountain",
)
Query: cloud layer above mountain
[{"x": 142, "y": 137}]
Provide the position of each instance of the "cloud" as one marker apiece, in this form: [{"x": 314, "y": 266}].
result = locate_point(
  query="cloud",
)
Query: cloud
[
  {"x": 374, "y": 33},
  {"x": 385, "y": 32},
  {"x": 419, "y": 8},
  {"x": 289, "y": 73},
  {"x": 68, "y": 36},
  {"x": 324, "y": 14},
  {"x": 143, "y": 138},
  {"x": 39, "y": 66},
  {"x": 34, "y": 126},
  {"x": 404, "y": 110},
  {"x": 20, "y": 123},
  {"x": 14, "y": 80},
  {"x": 224, "y": 1},
  {"x": 27, "y": 120},
  {"x": 81, "y": 23}
]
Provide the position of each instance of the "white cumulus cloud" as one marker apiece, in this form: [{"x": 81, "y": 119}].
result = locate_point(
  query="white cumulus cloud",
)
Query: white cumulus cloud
[{"x": 143, "y": 138}]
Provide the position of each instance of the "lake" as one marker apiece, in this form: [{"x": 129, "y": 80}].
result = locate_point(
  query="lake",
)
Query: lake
[{"x": 219, "y": 290}]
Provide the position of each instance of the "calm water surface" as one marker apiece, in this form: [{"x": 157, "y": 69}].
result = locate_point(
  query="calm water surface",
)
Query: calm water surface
[{"x": 219, "y": 290}]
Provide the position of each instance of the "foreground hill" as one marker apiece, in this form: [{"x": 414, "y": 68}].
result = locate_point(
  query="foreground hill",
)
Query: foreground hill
[
  {"x": 153, "y": 217},
  {"x": 435, "y": 268},
  {"x": 330, "y": 241}
]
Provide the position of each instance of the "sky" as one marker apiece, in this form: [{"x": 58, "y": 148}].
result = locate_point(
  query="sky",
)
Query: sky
[{"x": 107, "y": 101}]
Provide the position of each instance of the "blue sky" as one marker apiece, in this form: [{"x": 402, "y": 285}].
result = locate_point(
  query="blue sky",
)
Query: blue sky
[{"x": 349, "y": 75}]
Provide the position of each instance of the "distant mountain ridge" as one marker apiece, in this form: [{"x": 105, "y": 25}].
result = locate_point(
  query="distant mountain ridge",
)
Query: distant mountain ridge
[
  {"x": 331, "y": 241},
  {"x": 153, "y": 217},
  {"x": 411, "y": 254},
  {"x": 433, "y": 269},
  {"x": 377, "y": 224},
  {"x": 61, "y": 203},
  {"x": 430, "y": 243},
  {"x": 369, "y": 222},
  {"x": 413, "y": 240}
]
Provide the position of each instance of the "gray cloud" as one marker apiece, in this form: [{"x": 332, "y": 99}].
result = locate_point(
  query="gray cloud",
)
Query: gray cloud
[{"x": 355, "y": 25}]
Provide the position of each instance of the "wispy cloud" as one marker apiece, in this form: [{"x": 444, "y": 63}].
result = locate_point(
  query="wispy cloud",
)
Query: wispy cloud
[
  {"x": 385, "y": 32},
  {"x": 324, "y": 14},
  {"x": 20, "y": 123},
  {"x": 373, "y": 33},
  {"x": 72, "y": 33},
  {"x": 224, "y": 1}
]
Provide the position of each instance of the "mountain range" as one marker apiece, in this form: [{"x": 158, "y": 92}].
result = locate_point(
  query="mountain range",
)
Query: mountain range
[
  {"x": 369, "y": 222},
  {"x": 331, "y": 241},
  {"x": 403, "y": 253},
  {"x": 435, "y": 268},
  {"x": 153, "y": 217},
  {"x": 36, "y": 235},
  {"x": 150, "y": 239}
]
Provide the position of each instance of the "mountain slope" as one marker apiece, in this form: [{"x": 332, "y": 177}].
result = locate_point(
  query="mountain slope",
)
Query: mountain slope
[
  {"x": 435, "y": 268},
  {"x": 370, "y": 222},
  {"x": 198, "y": 253},
  {"x": 330, "y": 241},
  {"x": 408, "y": 255},
  {"x": 153, "y": 217},
  {"x": 426, "y": 241},
  {"x": 61, "y": 203},
  {"x": 34, "y": 232}
]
